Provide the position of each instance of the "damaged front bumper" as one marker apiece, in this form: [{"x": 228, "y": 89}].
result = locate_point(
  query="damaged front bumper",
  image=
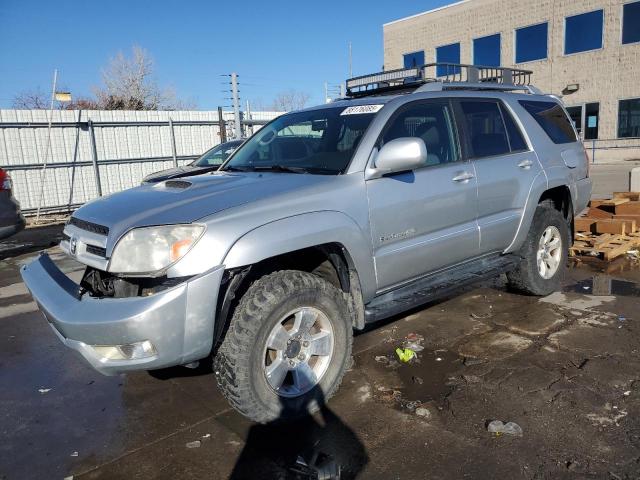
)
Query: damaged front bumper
[{"x": 178, "y": 322}]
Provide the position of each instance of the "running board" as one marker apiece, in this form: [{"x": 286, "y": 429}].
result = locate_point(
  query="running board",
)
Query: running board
[{"x": 436, "y": 286}]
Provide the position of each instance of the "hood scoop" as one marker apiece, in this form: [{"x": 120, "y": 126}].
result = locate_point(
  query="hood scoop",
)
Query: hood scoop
[{"x": 177, "y": 184}]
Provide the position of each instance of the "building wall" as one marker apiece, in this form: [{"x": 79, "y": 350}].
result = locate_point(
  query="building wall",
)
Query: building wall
[{"x": 605, "y": 75}]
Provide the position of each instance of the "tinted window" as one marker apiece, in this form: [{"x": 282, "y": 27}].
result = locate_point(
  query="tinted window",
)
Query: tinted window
[
  {"x": 430, "y": 121},
  {"x": 413, "y": 59},
  {"x": 631, "y": 22},
  {"x": 551, "y": 117},
  {"x": 448, "y": 54},
  {"x": 486, "y": 51},
  {"x": 583, "y": 32},
  {"x": 629, "y": 118},
  {"x": 531, "y": 43},
  {"x": 516, "y": 140},
  {"x": 485, "y": 128}
]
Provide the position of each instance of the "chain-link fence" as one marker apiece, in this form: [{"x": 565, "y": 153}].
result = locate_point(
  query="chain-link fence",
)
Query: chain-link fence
[{"x": 93, "y": 153}]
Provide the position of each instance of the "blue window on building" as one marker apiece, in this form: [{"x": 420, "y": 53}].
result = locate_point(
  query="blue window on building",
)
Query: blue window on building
[
  {"x": 486, "y": 50},
  {"x": 531, "y": 43},
  {"x": 413, "y": 59},
  {"x": 583, "y": 32},
  {"x": 631, "y": 22},
  {"x": 447, "y": 54}
]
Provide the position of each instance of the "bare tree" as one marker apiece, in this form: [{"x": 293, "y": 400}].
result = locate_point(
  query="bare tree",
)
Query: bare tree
[
  {"x": 128, "y": 84},
  {"x": 30, "y": 100},
  {"x": 290, "y": 100}
]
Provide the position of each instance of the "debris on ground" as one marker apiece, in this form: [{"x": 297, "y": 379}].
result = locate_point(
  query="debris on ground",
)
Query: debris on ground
[
  {"x": 194, "y": 444},
  {"x": 414, "y": 341},
  {"x": 44, "y": 390},
  {"x": 405, "y": 354},
  {"x": 382, "y": 359},
  {"x": 627, "y": 393},
  {"x": 483, "y": 316},
  {"x": 416, "y": 379},
  {"x": 74, "y": 454},
  {"x": 497, "y": 427},
  {"x": 208, "y": 435},
  {"x": 423, "y": 412}
]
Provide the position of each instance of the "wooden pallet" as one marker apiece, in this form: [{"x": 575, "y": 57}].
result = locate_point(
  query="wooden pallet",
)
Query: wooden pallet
[{"x": 607, "y": 246}]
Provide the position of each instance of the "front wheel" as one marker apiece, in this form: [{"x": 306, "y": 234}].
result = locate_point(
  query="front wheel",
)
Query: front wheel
[
  {"x": 544, "y": 253},
  {"x": 287, "y": 347}
]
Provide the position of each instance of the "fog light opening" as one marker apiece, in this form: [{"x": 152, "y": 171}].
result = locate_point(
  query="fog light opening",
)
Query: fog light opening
[{"x": 130, "y": 351}]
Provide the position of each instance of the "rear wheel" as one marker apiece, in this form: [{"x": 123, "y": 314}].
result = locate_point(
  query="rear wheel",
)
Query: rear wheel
[
  {"x": 544, "y": 253},
  {"x": 287, "y": 347}
]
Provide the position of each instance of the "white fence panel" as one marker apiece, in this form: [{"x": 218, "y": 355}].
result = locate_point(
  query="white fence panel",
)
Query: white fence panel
[{"x": 128, "y": 146}]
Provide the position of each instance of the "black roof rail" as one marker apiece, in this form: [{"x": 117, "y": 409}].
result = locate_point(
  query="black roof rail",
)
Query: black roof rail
[{"x": 442, "y": 76}]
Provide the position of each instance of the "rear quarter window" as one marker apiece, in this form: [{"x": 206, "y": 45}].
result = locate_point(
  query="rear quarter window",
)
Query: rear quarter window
[{"x": 551, "y": 117}]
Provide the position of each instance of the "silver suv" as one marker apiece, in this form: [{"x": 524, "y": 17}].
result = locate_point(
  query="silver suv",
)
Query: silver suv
[{"x": 325, "y": 220}]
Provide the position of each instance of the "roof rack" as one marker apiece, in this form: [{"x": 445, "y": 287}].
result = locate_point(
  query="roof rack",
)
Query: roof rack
[{"x": 441, "y": 76}]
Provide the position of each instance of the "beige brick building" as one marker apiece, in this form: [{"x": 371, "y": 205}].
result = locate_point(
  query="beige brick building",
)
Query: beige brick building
[{"x": 587, "y": 51}]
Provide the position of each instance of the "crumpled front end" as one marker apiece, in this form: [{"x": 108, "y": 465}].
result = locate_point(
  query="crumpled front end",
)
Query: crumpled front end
[{"x": 171, "y": 327}]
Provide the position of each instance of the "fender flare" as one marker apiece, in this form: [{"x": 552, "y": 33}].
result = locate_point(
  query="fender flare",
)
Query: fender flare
[{"x": 303, "y": 231}]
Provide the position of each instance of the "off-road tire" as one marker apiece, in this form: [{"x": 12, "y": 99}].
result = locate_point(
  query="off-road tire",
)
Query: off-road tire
[
  {"x": 525, "y": 278},
  {"x": 239, "y": 362}
]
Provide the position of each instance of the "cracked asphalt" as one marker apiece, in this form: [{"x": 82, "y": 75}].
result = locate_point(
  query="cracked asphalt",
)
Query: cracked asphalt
[{"x": 565, "y": 368}]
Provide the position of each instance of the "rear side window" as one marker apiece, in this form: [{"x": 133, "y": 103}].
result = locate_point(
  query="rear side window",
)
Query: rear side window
[
  {"x": 551, "y": 117},
  {"x": 485, "y": 128}
]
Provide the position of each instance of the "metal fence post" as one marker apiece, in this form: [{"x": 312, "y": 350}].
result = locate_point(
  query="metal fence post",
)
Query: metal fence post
[
  {"x": 75, "y": 158},
  {"x": 593, "y": 151},
  {"x": 221, "y": 126},
  {"x": 94, "y": 157},
  {"x": 173, "y": 143}
]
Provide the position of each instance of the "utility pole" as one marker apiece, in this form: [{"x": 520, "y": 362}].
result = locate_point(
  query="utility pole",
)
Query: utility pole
[
  {"x": 236, "y": 106},
  {"x": 350, "y": 62}
]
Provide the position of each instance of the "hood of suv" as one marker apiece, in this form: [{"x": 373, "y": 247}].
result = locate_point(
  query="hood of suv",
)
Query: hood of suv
[{"x": 185, "y": 200}]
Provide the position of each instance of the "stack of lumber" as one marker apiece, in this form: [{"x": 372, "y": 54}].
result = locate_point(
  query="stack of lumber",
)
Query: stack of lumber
[{"x": 610, "y": 227}]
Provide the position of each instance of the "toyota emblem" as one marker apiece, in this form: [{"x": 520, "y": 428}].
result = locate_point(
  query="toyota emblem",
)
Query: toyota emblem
[{"x": 73, "y": 245}]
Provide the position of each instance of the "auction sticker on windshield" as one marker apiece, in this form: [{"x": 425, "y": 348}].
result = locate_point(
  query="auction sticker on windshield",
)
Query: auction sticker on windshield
[{"x": 358, "y": 109}]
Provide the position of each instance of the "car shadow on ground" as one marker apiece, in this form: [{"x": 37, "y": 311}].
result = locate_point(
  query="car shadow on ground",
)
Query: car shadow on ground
[{"x": 314, "y": 446}]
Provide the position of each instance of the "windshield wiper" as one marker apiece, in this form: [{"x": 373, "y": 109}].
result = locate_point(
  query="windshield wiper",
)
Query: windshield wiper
[
  {"x": 280, "y": 168},
  {"x": 231, "y": 168}
]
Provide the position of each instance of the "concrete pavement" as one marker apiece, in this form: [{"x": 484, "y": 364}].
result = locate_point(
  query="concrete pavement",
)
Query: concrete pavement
[{"x": 565, "y": 368}]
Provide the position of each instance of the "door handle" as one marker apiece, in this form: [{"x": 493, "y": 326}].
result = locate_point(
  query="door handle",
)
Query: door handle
[
  {"x": 463, "y": 177},
  {"x": 526, "y": 164}
]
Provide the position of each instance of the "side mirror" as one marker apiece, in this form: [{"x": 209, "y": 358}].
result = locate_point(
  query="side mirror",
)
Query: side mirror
[{"x": 399, "y": 155}]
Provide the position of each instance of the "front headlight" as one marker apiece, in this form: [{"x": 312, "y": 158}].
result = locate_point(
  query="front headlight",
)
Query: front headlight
[{"x": 149, "y": 249}]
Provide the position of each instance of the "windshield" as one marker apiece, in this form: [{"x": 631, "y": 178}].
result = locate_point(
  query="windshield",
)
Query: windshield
[
  {"x": 317, "y": 141},
  {"x": 217, "y": 155}
]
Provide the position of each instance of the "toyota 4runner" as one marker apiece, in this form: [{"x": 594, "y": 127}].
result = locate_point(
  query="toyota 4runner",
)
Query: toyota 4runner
[{"x": 323, "y": 221}]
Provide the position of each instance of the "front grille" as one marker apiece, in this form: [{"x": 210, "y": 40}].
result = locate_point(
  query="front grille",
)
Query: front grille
[
  {"x": 99, "y": 251},
  {"x": 89, "y": 226}
]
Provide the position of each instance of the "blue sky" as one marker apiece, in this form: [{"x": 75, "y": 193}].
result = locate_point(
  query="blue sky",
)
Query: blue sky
[{"x": 273, "y": 45}]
